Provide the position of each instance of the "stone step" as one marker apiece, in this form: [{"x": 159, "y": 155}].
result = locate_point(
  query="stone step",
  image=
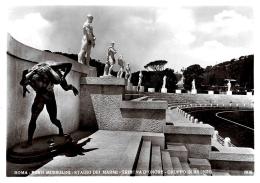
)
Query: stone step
[
  {"x": 176, "y": 164},
  {"x": 144, "y": 159},
  {"x": 166, "y": 163},
  {"x": 179, "y": 151},
  {"x": 220, "y": 173},
  {"x": 186, "y": 168},
  {"x": 156, "y": 161},
  {"x": 200, "y": 164}
]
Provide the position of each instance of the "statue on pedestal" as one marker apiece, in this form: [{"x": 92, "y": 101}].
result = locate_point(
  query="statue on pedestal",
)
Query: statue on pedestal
[
  {"x": 128, "y": 74},
  {"x": 88, "y": 41},
  {"x": 42, "y": 77},
  {"x": 193, "y": 87},
  {"x": 229, "y": 85},
  {"x": 164, "y": 89},
  {"x": 164, "y": 82},
  {"x": 140, "y": 80},
  {"x": 110, "y": 59},
  {"x": 121, "y": 64}
]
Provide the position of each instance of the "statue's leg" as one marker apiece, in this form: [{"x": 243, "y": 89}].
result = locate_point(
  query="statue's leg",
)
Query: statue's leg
[
  {"x": 37, "y": 108},
  {"x": 121, "y": 74},
  {"x": 82, "y": 53},
  {"x": 110, "y": 69},
  {"x": 87, "y": 55},
  {"x": 106, "y": 68},
  {"x": 52, "y": 110},
  {"x": 118, "y": 74}
]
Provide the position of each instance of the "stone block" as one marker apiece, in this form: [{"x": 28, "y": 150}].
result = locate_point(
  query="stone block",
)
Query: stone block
[
  {"x": 200, "y": 164},
  {"x": 229, "y": 92},
  {"x": 210, "y": 92},
  {"x": 194, "y": 91},
  {"x": 178, "y": 91},
  {"x": 179, "y": 151},
  {"x": 232, "y": 158},
  {"x": 189, "y": 129},
  {"x": 134, "y": 89},
  {"x": 249, "y": 93},
  {"x": 103, "y": 81},
  {"x": 152, "y": 90},
  {"x": 141, "y": 89}
]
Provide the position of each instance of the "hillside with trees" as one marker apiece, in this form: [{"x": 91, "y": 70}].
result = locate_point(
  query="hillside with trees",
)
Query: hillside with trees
[{"x": 209, "y": 78}]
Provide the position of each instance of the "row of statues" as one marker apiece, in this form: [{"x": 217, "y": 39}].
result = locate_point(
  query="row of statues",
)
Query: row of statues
[{"x": 88, "y": 42}]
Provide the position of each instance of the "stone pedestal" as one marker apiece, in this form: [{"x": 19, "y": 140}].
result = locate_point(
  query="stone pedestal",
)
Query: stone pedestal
[
  {"x": 249, "y": 93},
  {"x": 42, "y": 148},
  {"x": 134, "y": 88},
  {"x": 194, "y": 91},
  {"x": 129, "y": 87},
  {"x": 229, "y": 92},
  {"x": 152, "y": 90},
  {"x": 177, "y": 91},
  {"x": 210, "y": 92},
  {"x": 164, "y": 90},
  {"x": 141, "y": 89},
  {"x": 107, "y": 76},
  {"x": 95, "y": 87}
]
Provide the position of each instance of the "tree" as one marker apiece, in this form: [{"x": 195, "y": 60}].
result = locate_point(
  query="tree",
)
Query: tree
[
  {"x": 157, "y": 65},
  {"x": 193, "y": 72}
]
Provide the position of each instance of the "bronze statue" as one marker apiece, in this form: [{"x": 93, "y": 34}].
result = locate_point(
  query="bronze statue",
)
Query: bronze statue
[{"x": 42, "y": 77}]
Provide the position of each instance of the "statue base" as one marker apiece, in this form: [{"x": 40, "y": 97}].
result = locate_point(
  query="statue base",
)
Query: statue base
[
  {"x": 152, "y": 90},
  {"x": 249, "y": 93},
  {"x": 164, "y": 90},
  {"x": 141, "y": 88},
  {"x": 129, "y": 87},
  {"x": 194, "y": 91},
  {"x": 210, "y": 92},
  {"x": 107, "y": 76},
  {"x": 177, "y": 91},
  {"x": 134, "y": 88},
  {"x": 229, "y": 92},
  {"x": 42, "y": 148}
]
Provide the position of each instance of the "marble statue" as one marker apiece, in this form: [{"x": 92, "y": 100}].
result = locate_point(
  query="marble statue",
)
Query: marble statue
[
  {"x": 128, "y": 74},
  {"x": 88, "y": 41},
  {"x": 140, "y": 79},
  {"x": 42, "y": 77},
  {"x": 110, "y": 59},
  {"x": 164, "y": 82},
  {"x": 121, "y": 64},
  {"x": 193, "y": 87},
  {"x": 229, "y": 85}
]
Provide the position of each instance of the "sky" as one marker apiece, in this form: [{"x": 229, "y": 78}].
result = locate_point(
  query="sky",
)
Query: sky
[{"x": 182, "y": 35}]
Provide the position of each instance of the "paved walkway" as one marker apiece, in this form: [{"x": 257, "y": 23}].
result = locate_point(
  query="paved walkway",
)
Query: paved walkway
[{"x": 110, "y": 153}]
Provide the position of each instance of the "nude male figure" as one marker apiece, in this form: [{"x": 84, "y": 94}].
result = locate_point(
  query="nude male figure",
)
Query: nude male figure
[
  {"x": 88, "y": 41},
  {"x": 128, "y": 73},
  {"x": 110, "y": 59},
  {"x": 42, "y": 77},
  {"x": 121, "y": 64}
]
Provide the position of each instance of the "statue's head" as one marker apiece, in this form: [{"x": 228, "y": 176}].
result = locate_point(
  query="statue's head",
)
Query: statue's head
[
  {"x": 89, "y": 18},
  {"x": 112, "y": 43}
]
